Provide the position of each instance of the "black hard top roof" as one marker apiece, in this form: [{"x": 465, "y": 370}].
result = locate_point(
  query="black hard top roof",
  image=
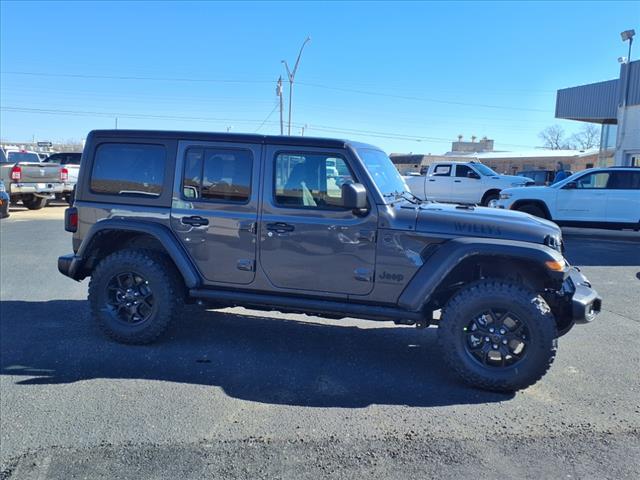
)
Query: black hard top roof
[{"x": 231, "y": 137}]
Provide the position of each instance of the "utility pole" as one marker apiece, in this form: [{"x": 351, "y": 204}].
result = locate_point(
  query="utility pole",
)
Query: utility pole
[
  {"x": 228, "y": 128},
  {"x": 116, "y": 123},
  {"x": 292, "y": 75},
  {"x": 279, "y": 94}
]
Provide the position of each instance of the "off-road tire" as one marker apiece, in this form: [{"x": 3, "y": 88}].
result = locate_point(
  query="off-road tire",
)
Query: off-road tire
[
  {"x": 532, "y": 209},
  {"x": 164, "y": 281},
  {"x": 531, "y": 309},
  {"x": 34, "y": 203}
]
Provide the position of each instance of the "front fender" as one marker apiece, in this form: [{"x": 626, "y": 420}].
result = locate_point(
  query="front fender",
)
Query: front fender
[{"x": 441, "y": 263}]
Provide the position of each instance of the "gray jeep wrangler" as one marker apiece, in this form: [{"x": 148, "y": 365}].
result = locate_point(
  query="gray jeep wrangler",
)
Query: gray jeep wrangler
[{"x": 317, "y": 226}]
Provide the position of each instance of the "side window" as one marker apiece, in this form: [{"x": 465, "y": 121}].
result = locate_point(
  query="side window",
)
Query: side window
[
  {"x": 463, "y": 171},
  {"x": 625, "y": 180},
  {"x": 441, "y": 171},
  {"x": 129, "y": 169},
  {"x": 217, "y": 175},
  {"x": 310, "y": 180},
  {"x": 596, "y": 180}
]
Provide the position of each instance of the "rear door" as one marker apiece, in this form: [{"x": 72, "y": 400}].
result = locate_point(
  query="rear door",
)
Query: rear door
[
  {"x": 623, "y": 201},
  {"x": 215, "y": 205},
  {"x": 440, "y": 183},
  {"x": 587, "y": 202}
]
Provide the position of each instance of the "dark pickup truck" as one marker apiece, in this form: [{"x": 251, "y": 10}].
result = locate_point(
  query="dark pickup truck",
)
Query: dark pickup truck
[{"x": 318, "y": 226}]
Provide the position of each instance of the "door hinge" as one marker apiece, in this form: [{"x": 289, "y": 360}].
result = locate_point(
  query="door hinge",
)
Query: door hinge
[
  {"x": 363, "y": 274},
  {"x": 369, "y": 235},
  {"x": 248, "y": 226}
]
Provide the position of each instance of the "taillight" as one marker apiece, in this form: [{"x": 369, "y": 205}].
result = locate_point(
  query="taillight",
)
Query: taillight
[
  {"x": 16, "y": 173},
  {"x": 64, "y": 174},
  {"x": 71, "y": 219}
]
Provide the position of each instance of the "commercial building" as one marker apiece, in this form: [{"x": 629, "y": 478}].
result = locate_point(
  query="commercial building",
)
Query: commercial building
[{"x": 614, "y": 104}]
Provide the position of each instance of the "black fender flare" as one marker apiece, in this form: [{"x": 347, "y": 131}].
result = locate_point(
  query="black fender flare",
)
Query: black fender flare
[
  {"x": 449, "y": 255},
  {"x": 161, "y": 233}
]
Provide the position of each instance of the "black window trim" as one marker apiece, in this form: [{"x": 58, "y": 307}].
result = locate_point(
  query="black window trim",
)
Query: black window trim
[
  {"x": 208, "y": 200},
  {"x": 163, "y": 184},
  {"x": 434, "y": 174},
  {"x": 274, "y": 201}
]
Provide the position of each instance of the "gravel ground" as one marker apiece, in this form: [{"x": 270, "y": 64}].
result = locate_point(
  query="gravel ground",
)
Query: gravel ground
[{"x": 241, "y": 394}]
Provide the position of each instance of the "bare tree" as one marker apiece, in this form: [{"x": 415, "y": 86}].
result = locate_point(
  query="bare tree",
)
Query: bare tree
[
  {"x": 553, "y": 138},
  {"x": 588, "y": 137}
]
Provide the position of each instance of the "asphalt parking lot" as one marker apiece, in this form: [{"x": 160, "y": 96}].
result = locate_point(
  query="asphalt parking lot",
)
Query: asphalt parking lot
[{"x": 241, "y": 394}]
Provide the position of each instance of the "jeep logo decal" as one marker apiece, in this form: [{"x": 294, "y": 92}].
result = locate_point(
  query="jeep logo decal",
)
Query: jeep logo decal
[
  {"x": 483, "y": 229},
  {"x": 394, "y": 277}
]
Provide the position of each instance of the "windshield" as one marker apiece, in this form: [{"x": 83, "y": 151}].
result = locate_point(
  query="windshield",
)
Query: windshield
[
  {"x": 23, "y": 157},
  {"x": 484, "y": 170},
  {"x": 382, "y": 171}
]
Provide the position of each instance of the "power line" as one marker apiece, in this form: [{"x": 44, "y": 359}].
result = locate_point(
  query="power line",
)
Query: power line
[
  {"x": 313, "y": 85},
  {"x": 268, "y": 116},
  {"x": 322, "y": 128}
]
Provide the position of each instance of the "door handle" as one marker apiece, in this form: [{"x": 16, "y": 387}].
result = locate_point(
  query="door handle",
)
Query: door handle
[
  {"x": 456, "y": 181},
  {"x": 280, "y": 227},
  {"x": 432, "y": 179},
  {"x": 195, "y": 221}
]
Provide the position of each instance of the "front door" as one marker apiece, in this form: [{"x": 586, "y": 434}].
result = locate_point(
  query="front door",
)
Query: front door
[
  {"x": 585, "y": 203},
  {"x": 466, "y": 189},
  {"x": 215, "y": 205},
  {"x": 308, "y": 241}
]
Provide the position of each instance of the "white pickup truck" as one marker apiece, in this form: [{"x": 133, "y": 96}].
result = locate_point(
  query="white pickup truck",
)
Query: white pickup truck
[
  {"x": 70, "y": 162},
  {"x": 597, "y": 197},
  {"x": 462, "y": 182}
]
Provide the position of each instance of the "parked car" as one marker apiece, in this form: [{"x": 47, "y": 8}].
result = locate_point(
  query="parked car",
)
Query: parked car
[
  {"x": 462, "y": 182},
  {"x": 597, "y": 197},
  {"x": 164, "y": 218},
  {"x": 70, "y": 163},
  {"x": 28, "y": 180},
  {"x": 4, "y": 201},
  {"x": 539, "y": 177}
]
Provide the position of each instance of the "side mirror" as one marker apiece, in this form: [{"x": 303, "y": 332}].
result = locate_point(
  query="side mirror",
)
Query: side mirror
[
  {"x": 571, "y": 185},
  {"x": 354, "y": 196},
  {"x": 473, "y": 175}
]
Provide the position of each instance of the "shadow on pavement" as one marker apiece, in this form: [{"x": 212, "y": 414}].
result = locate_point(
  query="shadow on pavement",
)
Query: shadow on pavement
[
  {"x": 259, "y": 359},
  {"x": 602, "y": 251}
]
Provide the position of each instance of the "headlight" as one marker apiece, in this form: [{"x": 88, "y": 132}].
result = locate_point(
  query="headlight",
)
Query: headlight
[{"x": 505, "y": 196}]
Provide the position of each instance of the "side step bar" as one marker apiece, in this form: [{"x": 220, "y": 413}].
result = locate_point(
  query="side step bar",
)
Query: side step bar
[{"x": 307, "y": 305}]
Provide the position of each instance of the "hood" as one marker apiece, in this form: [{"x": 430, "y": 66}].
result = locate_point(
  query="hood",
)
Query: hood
[{"x": 462, "y": 221}]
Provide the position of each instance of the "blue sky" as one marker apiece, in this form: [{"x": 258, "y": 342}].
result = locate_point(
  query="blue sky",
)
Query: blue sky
[{"x": 408, "y": 77}]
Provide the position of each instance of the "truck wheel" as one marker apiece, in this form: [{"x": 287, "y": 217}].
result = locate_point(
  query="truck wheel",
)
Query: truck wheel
[
  {"x": 134, "y": 295},
  {"x": 532, "y": 209},
  {"x": 34, "y": 203},
  {"x": 490, "y": 199},
  {"x": 498, "y": 335}
]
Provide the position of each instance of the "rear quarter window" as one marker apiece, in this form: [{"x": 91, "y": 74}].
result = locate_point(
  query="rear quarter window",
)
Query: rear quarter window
[{"x": 129, "y": 169}]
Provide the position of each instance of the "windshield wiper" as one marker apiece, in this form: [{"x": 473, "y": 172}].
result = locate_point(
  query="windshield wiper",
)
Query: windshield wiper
[{"x": 408, "y": 196}]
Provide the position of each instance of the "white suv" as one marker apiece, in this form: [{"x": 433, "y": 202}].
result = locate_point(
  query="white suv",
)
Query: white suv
[{"x": 597, "y": 197}]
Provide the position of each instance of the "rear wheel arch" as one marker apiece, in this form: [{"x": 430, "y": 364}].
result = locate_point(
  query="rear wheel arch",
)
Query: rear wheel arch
[{"x": 107, "y": 239}]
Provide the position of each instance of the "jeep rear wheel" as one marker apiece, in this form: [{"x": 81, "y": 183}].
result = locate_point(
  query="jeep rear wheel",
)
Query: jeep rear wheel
[
  {"x": 498, "y": 335},
  {"x": 134, "y": 295}
]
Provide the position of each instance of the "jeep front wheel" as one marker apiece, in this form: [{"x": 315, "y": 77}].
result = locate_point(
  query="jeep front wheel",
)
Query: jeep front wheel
[
  {"x": 498, "y": 335},
  {"x": 134, "y": 295}
]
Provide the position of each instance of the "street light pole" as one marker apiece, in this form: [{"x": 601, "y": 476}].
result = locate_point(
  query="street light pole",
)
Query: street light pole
[
  {"x": 291, "y": 75},
  {"x": 279, "y": 93}
]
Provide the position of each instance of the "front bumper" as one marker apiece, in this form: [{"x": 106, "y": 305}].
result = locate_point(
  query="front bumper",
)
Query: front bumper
[
  {"x": 44, "y": 188},
  {"x": 585, "y": 301}
]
